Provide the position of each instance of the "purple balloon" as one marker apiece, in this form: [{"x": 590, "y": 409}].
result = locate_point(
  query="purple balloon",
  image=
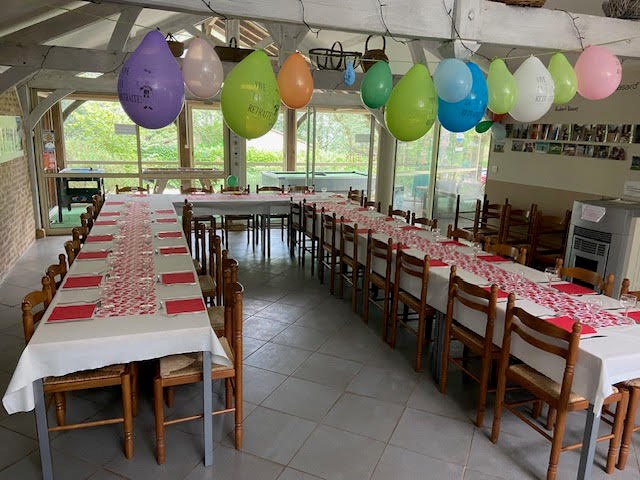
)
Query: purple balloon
[{"x": 150, "y": 85}]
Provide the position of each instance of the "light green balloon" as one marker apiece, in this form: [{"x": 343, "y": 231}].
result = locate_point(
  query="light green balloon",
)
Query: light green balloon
[
  {"x": 232, "y": 181},
  {"x": 412, "y": 106},
  {"x": 376, "y": 85},
  {"x": 250, "y": 99},
  {"x": 564, "y": 78},
  {"x": 502, "y": 87}
]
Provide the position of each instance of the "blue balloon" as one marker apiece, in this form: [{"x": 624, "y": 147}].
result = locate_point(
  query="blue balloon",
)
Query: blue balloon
[
  {"x": 349, "y": 75},
  {"x": 464, "y": 115},
  {"x": 452, "y": 80}
]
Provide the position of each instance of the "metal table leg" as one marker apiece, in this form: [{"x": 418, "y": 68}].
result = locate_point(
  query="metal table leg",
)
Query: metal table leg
[
  {"x": 43, "y": 430},
  {"x": 588, "y": 444},
  {"x": 207, "y": 403}
]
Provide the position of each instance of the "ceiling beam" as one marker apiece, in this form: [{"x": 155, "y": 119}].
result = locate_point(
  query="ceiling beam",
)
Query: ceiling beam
[
  {"x": 15, "y": 75},
  {"x": 264, "y": 43},
  {"x": 60, "y": 58},
  {"x": 72, "y": 107},
  {"x": 404, "y": 18},
  {"x": 63, "y": 23},
  {"x": 43, "y": 106},
  {"x": 122, "y": 30},
  {"x": 172, "y": 25}
]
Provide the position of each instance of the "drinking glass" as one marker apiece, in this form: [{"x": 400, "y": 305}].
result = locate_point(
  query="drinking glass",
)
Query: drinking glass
[
  {"x": 519, "y": 280},
  {"x": 552, "y": 274},
  {"x": 627, "y": 301},
  {"x": 477, "y": 248},
  {"x": 324, "y": 189},
  {"x": 436, "y": 234},
  {"x": 594, "y": 302},
  {"x": 311, "y": 188}
]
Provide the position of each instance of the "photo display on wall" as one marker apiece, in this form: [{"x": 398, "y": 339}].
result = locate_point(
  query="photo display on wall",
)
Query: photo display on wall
[{"x": 605, "y": 141}]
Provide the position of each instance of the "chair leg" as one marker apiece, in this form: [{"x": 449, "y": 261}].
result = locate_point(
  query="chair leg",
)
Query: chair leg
[
  {"x": 536, "y": 410},
  {"x": 170, "y": 397},
  {"x": 484, "y": 386},
  {"x": 385, "y": 315},
  {"x": 444, "y": 370},
  {"x": 556, "y": 445},
  {"x": 134, "y": 388},
  {"x": 497, "y": 412},
  {"x": 551, "y": 418},
  {"x": 420, "y": 341},
  {"x": 634, "y": 399},
  {"x": 313, "y": 255},
  {"x": 394, "y": 323},
  {"x": 238, "y": 406},
  {"x": 332, "y": 272},
  {"x": 60, "y": 407},
  {"x": 354, "y": 287},
  {"x": 341, "y": 279},
  {"x": 127, "y": 411},
  {"x": 159, "y": 420},
  {"x": 618, "y": 424},
  {"x": 365, "y": 301},
  {"x": 228, "y": 392}
]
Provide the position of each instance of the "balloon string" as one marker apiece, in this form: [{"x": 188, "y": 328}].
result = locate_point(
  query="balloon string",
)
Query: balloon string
[
  {"x": 449, "y": 12},
  {"x": 316, "y": 32},
  {"x": 384, "y": 24},
  {"x": 208, "y": 5}
]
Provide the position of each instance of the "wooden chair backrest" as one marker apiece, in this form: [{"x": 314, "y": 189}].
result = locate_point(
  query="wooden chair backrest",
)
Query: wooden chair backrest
[
  {"x": 144, "y": 189},
  {"x": 413, "y": 267},
  {"x": 349, "y": 238},
  {"x": 377, "y": 249},
  {"x": 404, "y": 215},
  {"x": 79, "y": 234},
  {"x": 309, "y": 218},
  {"x": 57, "y": 270},
  {"x": 549, "y": 339},
  {"x": 475, "y": 298},
  {"x": 366, "y": 203},
  {"x": 97, "y": 201},
  {"x": 328, "y": 223},
  {"x": 236, "y": 189},
  {"x": 269, "y": 189},
  {"x": 72, "y": 248},
  {"x": 424, "y": 221},
  {"x": 550, "y": 232},
  {"x": 234, "y": 336},
  {"x": 514, "y": 253},
  {"x": 299, "y": 188},
  {"x": 591, "y": 278},
  {"x": 625, "y": 288},
  {"x": 215, "y": 262},
  {"x": 202, "y": 189},
  {"x": 37, "y": 299},
  {"x": 459, "y": 233},
  {"x": 473, "y": 215},
  {"x": 86, "y": 221},
  {"x": 355, "y": 195},
  {"x": 295, "y": 210},
  {"x": 187, "y": 225}
]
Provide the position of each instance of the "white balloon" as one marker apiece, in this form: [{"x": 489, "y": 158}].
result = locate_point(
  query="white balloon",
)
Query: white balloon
[
  {"x": 499, "y": 131},
  {"x": 536, "y": 91},
  {"x": 202, "y": 69}
]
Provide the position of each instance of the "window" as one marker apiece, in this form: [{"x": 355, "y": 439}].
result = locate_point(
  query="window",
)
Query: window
[
  {"x": 208, "y": 138},
  {"x": 266, "y": 153},
  {"x": 413, "y": 175}
]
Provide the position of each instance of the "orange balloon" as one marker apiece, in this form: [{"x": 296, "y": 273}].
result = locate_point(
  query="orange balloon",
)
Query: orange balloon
[{"x": 295, "y": 82}]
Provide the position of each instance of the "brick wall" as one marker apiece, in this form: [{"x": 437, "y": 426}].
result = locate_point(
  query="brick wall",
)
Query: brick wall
[{"x": 17, "y": 226}]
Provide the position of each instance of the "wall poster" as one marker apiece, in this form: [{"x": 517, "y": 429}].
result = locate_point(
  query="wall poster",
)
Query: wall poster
[{"x": 10, "y": 138}]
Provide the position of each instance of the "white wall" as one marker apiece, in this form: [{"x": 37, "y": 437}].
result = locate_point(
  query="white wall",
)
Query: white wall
[{"x": 554, "y": 181}]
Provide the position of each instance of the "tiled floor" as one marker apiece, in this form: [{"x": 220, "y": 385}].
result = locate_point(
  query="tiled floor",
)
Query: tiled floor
[{"x": 325, "y": 398}]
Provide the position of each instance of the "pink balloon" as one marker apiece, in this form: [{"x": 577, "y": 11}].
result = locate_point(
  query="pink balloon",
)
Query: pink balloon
[
  {"x": 202, "y": 69},
  {"x": 599, "y": 73}
]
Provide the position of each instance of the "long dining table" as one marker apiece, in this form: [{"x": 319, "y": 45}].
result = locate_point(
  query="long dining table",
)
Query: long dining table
[
  {"x": 131, "y": 294},
  {"x": 609, "y": 354}
]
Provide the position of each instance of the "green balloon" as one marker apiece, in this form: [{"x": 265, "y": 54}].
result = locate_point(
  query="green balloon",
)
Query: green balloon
[
  {"x": 250, "y": 99},
  {"x": 232, "y": 181},
  {"x": 564, "y": 78},
  {"x": 412, "y": 106},
  {"x": 483, "y": 126},
  {"x": 502, "y": 87},
  {"x": 376, "y": 85}
]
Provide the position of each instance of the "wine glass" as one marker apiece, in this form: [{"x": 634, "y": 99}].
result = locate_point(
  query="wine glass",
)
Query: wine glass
[
  {"x": 323, "y": 189},
  {"x": 436, "y": 234},
  {"x": 311, "y": 188},
  {"x": 552, "y": 274},
  {"x": 287, "y": 190},
  {"x": 518, "y": 278},
  {"x": 477, "y": 248},
  {"x": 594, "y": 302},
  {"x": 627, "y": 301}
]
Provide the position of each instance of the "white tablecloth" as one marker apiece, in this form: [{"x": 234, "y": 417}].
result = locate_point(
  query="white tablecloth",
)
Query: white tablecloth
[{"x": 61, "y": 348}]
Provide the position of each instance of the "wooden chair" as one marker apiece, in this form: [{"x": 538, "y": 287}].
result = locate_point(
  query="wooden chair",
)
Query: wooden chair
[
  {"x": 516, "y": 254},
  {"x": 98, "y": 378},
  {"x": 72, "y": 248},
  {"x": 299, "y": 188},
  {"x": 350, "y": 267},
  {"x": 144, "y": 189},
  {"x": 550, "y": 341},
  {"x": 309, "y": 235},
  {"x": 424, "y": 222},
  {"x": 187, "y": 369},
  {"x": 519, "y": 225},
  {"x": 408, "y": 266},
  {"x": 196, "y": 239},
  {"x": 400, "y": 214},
  {"x": 281, "y": 217},
  {"x": 328, "y": 249},
  {"x": 55, "y": 271},
  {"x": 79, "y": 234},
  {"x": 633, "y": 387},
  {"x": 97, "y": 200},
  {"x": 379, "y": 255},
  {"x": 459, "y": 233},
  {"x": 86, "y": 220},
  {"x": 190, "y": 190},
  {"x": 471, "y": 297},
  {"x": 356, "y": 195},
  {"x": 548, "y": 239},
  {"x": 227, "y": 220},
  {"x": 210, "y": 281},
  {"x": 583, "y": 276},
  {"x": 295, "y": 227},
  {"x": 471, "y": 217},
  {"x": 217, "y": 313},
  {"x": 369, "y": 204}
]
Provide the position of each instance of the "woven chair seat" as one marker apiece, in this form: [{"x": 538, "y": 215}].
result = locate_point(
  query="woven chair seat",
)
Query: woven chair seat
[
  {"x": 216, "y": 317},
  {"x": 544, "y": 383},
  {"x": 191, "y": 363},
  {"x": 207, "y": 285},
  {"x": 472, "y": 339},
  {"x": 633, "y": 383},
  {"x": 111, "y": 371}
]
